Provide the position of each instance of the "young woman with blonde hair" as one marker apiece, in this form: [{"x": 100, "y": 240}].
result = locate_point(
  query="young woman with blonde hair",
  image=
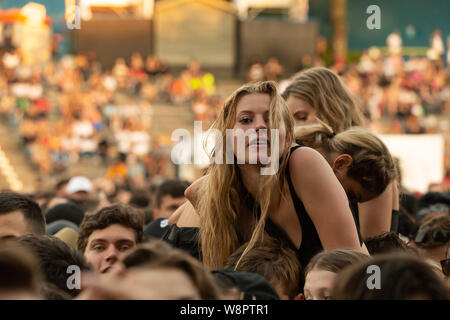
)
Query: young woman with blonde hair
[
  {"x": 319, "y": 93},
  {"x": 302, "y": 203}
]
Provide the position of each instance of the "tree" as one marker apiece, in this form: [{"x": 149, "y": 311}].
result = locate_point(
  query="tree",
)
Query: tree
[{"x": 338, "y": 14}]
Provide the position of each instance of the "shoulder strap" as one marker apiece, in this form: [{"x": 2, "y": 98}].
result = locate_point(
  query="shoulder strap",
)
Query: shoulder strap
[{"x": 294, "y": 196}]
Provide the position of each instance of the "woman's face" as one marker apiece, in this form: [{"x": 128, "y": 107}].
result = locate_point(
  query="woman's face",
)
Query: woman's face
[
  {"x": 318, "y": 284},
  {"x": 353, "y": 188},
  {"x": 301, "y": 110},
  {"x": 252, "y": 117}
]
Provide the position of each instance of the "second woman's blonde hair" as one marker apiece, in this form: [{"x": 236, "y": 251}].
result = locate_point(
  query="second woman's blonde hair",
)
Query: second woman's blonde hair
[
  {"x": 221, "y": 194},
  {"x": 328, "y": 95},
  {"x": 372, "y": 165}
]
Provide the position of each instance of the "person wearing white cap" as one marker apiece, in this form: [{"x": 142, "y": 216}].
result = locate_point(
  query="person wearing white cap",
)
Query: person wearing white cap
[{"x": 79, "y": 187}]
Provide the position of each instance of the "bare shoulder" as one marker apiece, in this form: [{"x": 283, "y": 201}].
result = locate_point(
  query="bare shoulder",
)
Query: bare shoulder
[
  {"x": 309, "y": 170},
  {"x": 305, "y": 161}
]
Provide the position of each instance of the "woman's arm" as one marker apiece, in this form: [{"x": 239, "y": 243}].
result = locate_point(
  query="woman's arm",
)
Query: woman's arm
[
  {"x": 324, "y": 199},
  {"x": 375, "y": 215},
  {"x": 191, "y": 192}
]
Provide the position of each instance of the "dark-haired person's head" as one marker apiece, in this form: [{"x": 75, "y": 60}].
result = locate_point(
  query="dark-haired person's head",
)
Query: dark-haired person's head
[
  {"x": 169, "y": 196},
  {"x": 65, "y": 211},
  {"x": 141, "y": 199},
  {"x": 272, "y": 260},
  {"x": 433, "y": 237},
  {"x": 55, "y": 257},
  {"x": 432, "y": 204},
  {"x": 384, "y": 243},
  {"x": 106, "y": 235},
  {"x": 19, "y": 215},
  {"x": 20, "y": 276},
  {"x": 390, "y": 276}
]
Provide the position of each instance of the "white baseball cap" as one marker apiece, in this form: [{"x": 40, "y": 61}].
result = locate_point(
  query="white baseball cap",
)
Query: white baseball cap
[{"x": 77, "y": 184}]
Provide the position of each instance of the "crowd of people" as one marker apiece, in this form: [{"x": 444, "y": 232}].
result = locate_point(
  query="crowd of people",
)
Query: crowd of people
[
  {"x": 72, "y": 109},
  {"x": 333, "y": 221}
]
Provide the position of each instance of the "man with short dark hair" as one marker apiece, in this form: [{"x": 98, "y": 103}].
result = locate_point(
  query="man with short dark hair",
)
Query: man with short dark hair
[
  {"x": 104, "y": 236},
  {"x": 19, "y": 215},
  {"x": 169, "y": 196}
]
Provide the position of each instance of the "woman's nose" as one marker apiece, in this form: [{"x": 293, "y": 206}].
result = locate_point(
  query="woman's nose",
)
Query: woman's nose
[{"x": 260, "y": 123}]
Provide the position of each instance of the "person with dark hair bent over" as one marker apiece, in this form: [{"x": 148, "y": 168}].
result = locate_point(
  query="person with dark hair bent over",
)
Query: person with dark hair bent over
[
  {"x": 106, "y": 235},
  {"x": 54, "y": 257},
  {"x": 19, "y": 216}
]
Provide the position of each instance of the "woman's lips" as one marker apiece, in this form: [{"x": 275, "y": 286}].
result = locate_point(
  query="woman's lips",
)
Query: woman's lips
[{"x": 106, "y": 269}]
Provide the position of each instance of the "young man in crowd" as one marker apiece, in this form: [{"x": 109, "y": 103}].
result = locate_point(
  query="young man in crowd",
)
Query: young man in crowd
[
  {"x": 169, "y": 196},
  {"x": 106, "y": 235},
  {"x": 19, "y": 216}
]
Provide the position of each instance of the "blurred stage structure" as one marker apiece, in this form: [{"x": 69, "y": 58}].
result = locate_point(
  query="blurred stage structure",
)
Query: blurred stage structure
[
  {"x": 29, "y": 30},
  {"x": 223, "y": 36}
]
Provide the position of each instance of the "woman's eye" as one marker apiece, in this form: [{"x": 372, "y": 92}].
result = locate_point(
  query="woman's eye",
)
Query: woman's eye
[
  {"x": 301, "y": 116},
  {"x": 245, "y": 120}
]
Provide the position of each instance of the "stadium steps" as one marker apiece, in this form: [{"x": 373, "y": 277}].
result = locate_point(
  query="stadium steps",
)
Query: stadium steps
[
  {"x": 167, "y": 118},
  {"x": 13, "y": 151}
]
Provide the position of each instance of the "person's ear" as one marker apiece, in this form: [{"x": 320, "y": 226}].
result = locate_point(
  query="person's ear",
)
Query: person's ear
[
  {"x": 155, "y": 213},
  {"x": 342, "y": 162}
]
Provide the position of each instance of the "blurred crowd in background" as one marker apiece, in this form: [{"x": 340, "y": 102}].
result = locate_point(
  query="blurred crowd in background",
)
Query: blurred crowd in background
[{"x": 73, "y": 110}]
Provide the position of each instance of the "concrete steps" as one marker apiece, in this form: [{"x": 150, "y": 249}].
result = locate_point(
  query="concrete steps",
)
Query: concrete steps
[{"x": 12, "y": 148}]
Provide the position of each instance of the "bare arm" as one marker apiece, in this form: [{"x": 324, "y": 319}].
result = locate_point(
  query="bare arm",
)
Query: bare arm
[
  {"x": 191, "y": 192},
  {"x": 324, "y": 199},
  {"x": 375, "y": 215}
]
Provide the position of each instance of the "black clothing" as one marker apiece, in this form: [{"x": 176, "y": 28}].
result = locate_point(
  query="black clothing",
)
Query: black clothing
[
  {"x": 157, "y": 228},
  {"x": 355, "y": 212}
]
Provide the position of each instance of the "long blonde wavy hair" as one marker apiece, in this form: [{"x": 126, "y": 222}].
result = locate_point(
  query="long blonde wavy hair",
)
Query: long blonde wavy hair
[
  {"x": 372, "y": 166},
  {"x": 220, "y": 195},
  {"x": 328, "y": 95}
]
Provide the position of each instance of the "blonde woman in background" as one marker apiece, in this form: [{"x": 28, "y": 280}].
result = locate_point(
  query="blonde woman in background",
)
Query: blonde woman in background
[{"x": 319, "y": 93}]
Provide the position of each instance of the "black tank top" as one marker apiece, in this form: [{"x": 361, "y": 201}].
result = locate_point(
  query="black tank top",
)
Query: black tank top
[{"x": 310, "y": 244}]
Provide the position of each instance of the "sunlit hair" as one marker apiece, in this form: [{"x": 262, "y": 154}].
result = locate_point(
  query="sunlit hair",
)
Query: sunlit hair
[
  {"x": 335, "y": 260},
  {"x": 372, "y": 165},
  {"x": 220, "y": 194},
  {"x": 272, "y": 260},
  {"x": 328, "y": 95}
]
